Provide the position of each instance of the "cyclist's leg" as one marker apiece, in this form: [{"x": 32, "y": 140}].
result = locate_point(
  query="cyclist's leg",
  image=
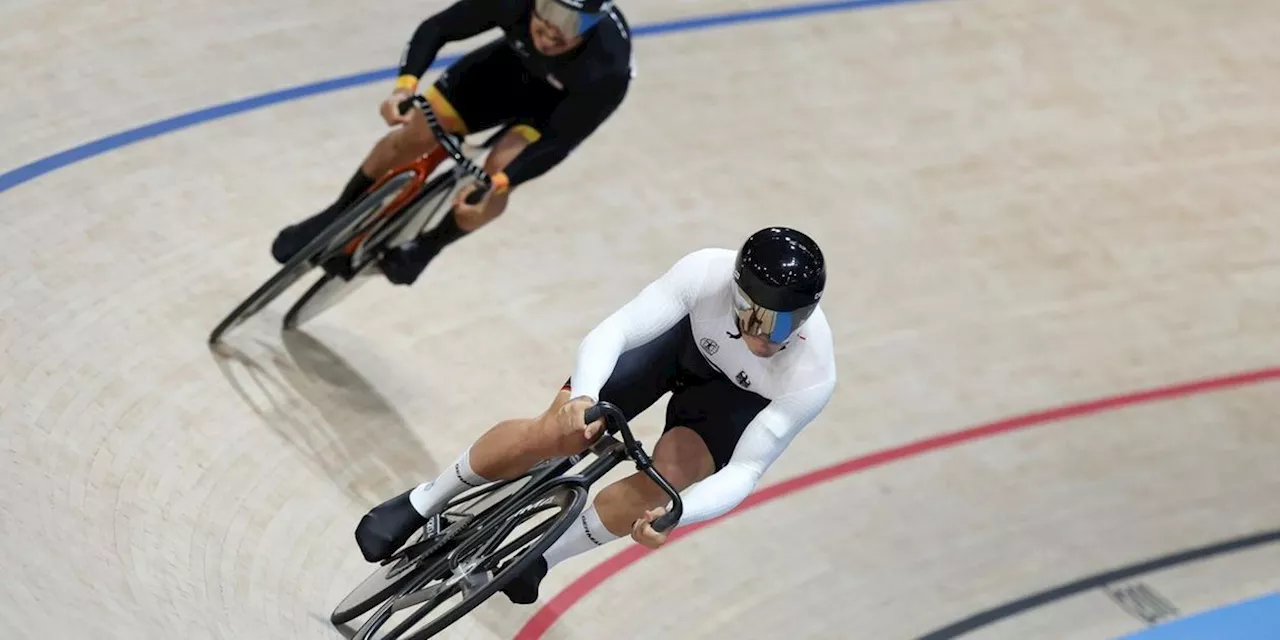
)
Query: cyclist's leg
[
  {"x": 704, "y": 423},
  {"x": 510, "y": 145},
  {"x": 398, "y": 147},
  {"x": 402, "y": 145},
  {"x": 713, "y": 415},
  {"x": 717, "y": 413},
  {"x": 703, "y": 426},
  {"x": 641, "y": 376},
  {"x": 404, "y": 264},
  {"x": 710, "y": 410},
  {"x": 680, "y": 456},
  {"x": 504, "y": 93},
  {"x": 534, "y": 104},
  {"x": 512, "y": 447},
  {"x": 509, "y": 94}
]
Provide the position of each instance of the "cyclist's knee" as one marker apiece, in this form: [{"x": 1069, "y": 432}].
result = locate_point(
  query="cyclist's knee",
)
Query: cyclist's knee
[
  {"x": 679, "y": 475},
  {"x": 626, "y": 500},
  {"x": 414, "y": 139}
]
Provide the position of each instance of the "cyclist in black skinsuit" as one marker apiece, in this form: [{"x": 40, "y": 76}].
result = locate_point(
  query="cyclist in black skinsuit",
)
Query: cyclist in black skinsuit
[{"x": 558, "y": 72}]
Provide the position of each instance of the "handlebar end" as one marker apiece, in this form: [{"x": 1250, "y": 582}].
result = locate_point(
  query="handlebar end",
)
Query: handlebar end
[
  {"x": 595, "y": 412},
  {"x": 667, "y": 521}
]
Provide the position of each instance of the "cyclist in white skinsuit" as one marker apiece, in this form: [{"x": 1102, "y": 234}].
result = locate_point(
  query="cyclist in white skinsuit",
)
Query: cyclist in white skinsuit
[{"x": 737, "y": 338}]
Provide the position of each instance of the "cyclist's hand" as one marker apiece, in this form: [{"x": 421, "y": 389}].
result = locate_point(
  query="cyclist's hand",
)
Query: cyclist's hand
[
  {"x": 391, "y": 108},
  {"x": 473, "y": 211},
  {"x": 572, "y": 418},
  {"x": 642, "y": 530}
]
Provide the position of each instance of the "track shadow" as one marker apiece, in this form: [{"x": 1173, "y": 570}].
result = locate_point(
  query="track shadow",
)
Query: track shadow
[
  {"x": 328, "y": 412},
  {"x": 321, "y": 406}
]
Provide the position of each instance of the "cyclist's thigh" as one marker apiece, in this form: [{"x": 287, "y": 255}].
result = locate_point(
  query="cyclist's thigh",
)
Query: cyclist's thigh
[
  {"x": 486, "y": 87},
  {"x": 718, "y": 411},
  {"x": 683, "y": 458},
  {"x": 643, "y": 374}
]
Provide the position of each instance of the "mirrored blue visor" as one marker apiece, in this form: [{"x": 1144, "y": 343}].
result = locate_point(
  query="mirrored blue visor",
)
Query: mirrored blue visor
[
  {"x": 569, "y": 22},
  {"x": 774, "y": 326}
]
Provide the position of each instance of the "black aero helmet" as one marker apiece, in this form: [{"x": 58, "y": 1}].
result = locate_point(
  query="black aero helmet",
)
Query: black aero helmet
[{"x": 778, "y": 276}]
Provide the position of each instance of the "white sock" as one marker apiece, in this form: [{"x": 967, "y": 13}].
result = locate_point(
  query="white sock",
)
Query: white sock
[
  {"x": 585, "y": 534},
  {"x": 428, "y": 498}
]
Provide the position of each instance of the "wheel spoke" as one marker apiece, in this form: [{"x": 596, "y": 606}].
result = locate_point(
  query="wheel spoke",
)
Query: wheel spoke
[{"x": 491, "y": 563}]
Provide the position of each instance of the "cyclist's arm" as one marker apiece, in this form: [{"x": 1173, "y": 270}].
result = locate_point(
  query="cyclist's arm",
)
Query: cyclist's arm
[
  {"x": 462, "y": 20},
  {"x": 658, "y": 307},
  {"x": 763, "y": 441},
  {"x": 577, "y": 116}
]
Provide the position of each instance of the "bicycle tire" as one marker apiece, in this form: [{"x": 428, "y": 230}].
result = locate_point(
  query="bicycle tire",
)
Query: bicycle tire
[
  {"x": 401, "y": 225},
  {"x": 333, "y": 236},
  {"x": 575, "y": 501}
]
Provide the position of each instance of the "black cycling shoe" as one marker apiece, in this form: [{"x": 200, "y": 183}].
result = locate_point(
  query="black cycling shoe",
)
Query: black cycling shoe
[
  {"x": 294, "y": 237},
  {"x": 523, "y": 588},
  {"x": 387, "y": 527},
  {"x": 403, "y": 264},
  {"x": 288, "y": 242}
]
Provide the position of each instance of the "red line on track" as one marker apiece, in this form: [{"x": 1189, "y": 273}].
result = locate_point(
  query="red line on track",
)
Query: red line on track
[{"x": 547, "y": 616}]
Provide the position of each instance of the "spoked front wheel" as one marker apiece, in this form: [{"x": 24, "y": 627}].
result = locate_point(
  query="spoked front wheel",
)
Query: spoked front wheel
[{"x": 484, "y": 560}]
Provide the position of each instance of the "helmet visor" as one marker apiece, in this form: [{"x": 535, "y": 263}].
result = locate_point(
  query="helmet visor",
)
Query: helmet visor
[
  {"x": 569, "y": 22},
  {"x": 774, "y": 326}
]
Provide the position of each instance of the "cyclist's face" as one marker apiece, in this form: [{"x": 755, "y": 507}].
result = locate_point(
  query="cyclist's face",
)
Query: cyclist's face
[
  {"x": 761, "y": 347},
  {"x": 549, "y": 40}
]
